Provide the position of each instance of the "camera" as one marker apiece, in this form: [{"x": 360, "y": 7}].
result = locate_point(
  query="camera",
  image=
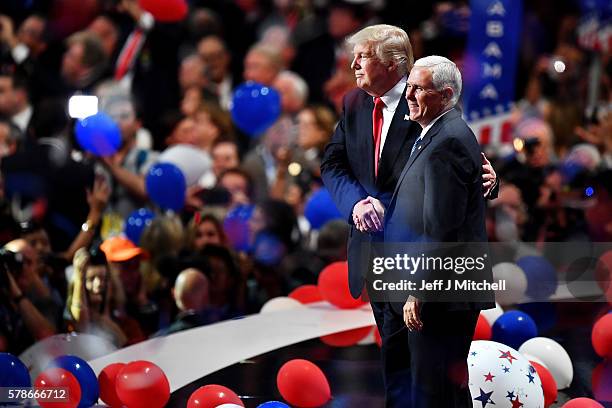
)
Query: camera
[
  {"x": 215, "y": 196},
  {"x": 9, "y": 262}
]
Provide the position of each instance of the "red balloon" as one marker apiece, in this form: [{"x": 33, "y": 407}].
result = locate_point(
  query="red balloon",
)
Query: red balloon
[
  {"x": 213, "y": 395},
  {"x": 582, "y": 403},
  {"x": 601, "y": 336},
  {"x": 58, "y": 377},
  {"x": 303, "y": 384},
  {"x": 347, "y": 338},
  {"x": 306, "y": 294},
  {"x": 334, "y": 287},
  {"x": 601, "y": 381},
  {"x": 142, "y": 384},
  {"x": 377, "y": 337},
  {"x": 549, "y": 385},
  {"x": 165, "y": 10},
  {"x": 107, "y": 381},
  {"x": 483, "y": 329}
]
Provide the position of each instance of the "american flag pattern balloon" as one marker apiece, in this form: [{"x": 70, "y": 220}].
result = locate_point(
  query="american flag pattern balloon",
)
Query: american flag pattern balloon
[{"x": 500, "y": 377}]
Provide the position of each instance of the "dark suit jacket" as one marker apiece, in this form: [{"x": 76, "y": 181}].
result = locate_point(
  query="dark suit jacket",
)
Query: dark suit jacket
[
  {"x": 347, "y": 169},
  {"x": 438, "y": 197}
]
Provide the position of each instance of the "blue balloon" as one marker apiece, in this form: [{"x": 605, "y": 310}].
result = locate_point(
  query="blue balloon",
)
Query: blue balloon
[
  {"x": 98, "y": 134},
  {"x": 236, "y": 227},
  {"x": 543, "y": 314},
  {"x": 273, "y": 404},
  {"x": 541, "y": 277},
  {"x": 320, "y": 209},
  {"x": 136, "y": 223},
  {"x": 513, "y": 328},
  {"x": 166, "y": 186},
  {"x": 13, "y": 373},
  {"x": 84, "y": 374},
  {"x": 255, "y": 107}
]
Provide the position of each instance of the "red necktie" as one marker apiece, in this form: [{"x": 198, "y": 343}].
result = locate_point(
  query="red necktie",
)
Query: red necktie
[
  {"x": 377, "y": 125},
  {"x": 129, "y": 53}
]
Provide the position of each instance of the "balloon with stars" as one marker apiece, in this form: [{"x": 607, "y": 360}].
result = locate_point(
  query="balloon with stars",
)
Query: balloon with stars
[{"x": 501, "y": 377}]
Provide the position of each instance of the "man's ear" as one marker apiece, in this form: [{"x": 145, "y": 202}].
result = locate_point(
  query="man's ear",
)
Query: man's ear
[{"x": 448, "y": 93}]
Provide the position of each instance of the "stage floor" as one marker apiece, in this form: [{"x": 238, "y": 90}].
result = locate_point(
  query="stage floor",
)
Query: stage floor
[{"x": 354, "y": 372}]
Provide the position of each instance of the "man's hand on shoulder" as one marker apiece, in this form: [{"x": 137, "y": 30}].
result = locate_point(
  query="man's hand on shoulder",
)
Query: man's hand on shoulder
[{"x": 489, "y": 177}]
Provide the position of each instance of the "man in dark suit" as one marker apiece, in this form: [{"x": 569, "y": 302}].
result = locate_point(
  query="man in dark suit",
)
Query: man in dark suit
[
  {"x": 437, "y": 199},
  {"x": 363, "y": 161}
]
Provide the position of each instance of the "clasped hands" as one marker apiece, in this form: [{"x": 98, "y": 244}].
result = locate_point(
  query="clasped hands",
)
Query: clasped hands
[{"x": 369, "y": 215}]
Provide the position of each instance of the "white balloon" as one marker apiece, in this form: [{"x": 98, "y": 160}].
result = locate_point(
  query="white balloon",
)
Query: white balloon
[
  {"x": 194, "y": 163},
  {"x": 280, "y": 303},
  {"x": 229, "y": 406},
  {"x": 516, "y": 283},
  {"x": 500, "y": 375},
  {"x": 554, "y": 357},
  {"x": 492, "y": 314},
  {"x": 86, "y": 346}
]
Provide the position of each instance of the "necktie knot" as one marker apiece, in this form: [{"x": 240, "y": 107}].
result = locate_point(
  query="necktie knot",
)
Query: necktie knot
[{"x": 378, "y": 104}]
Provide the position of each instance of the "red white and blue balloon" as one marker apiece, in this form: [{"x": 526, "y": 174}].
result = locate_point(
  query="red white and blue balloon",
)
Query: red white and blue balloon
[{"x": 500, "y": 377}]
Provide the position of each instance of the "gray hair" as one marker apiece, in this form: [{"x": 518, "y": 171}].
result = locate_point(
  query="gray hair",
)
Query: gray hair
[
  {"x": 300, "y": 87},
  {"x": 389, "y": 43},
  {"x": 270, "y": 52},
  {"x": 444, "y": 73}
]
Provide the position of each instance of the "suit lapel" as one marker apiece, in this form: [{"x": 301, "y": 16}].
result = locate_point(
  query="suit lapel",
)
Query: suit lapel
[
  {"x": 397, "y": 137},
  {"x": 365, "y": 126},
  {"x": 426, "y": 141}
]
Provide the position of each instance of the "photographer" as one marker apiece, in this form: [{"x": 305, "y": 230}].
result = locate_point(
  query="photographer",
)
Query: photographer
[{"x": 21, "y": 322}]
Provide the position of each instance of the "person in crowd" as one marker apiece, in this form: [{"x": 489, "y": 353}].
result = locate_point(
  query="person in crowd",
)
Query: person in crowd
[
  {"x": 262, "y": 64},
  {"x": 274, "y": 235},
  {"x": 205, "y": 229},
  {"x": 192, "y": 298},
  {"x": 213, "y": 51},
  {"x": 125, "y": 170},
  {"x": 192, "y": 73},
  {"x": 124, "y": 259},
  {"x": 15, "y": 100},
  {"x": 34, "y": 285},
  {"x": 83, "y": 63},
  {"x": 316, "y": 124},
  {"x": 239, "y": 184},
  {"x": 10, "y": 136},
  {"x": 211, "y": 124},
  {"x": 225, "y": 156},
  {"x": 107, "y": 30},
  {"x": 91, "y": 301},
  {"x": 23, "y": 322},
  {"x": 227, "y": 283}
]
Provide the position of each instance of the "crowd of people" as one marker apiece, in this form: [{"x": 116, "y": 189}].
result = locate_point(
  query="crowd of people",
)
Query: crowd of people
[{"x": 65, "y": 265}]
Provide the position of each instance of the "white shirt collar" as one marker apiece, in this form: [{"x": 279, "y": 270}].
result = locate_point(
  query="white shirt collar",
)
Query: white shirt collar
[
  {"x": 433, "y": 122},
  {"x": 22, "y": 119},
  {"x": 394, "y": 95}
]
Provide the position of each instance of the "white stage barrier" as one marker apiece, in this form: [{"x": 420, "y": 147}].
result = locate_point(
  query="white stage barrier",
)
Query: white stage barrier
[{"x": 192, "y": 354}]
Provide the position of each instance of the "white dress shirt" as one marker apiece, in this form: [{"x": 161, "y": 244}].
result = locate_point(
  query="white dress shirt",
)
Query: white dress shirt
[{"x": 391, "y": 99}]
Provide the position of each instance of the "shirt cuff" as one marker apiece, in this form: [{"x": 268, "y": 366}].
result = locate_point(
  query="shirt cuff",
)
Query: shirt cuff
[{"x": 146, "y": 21}]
